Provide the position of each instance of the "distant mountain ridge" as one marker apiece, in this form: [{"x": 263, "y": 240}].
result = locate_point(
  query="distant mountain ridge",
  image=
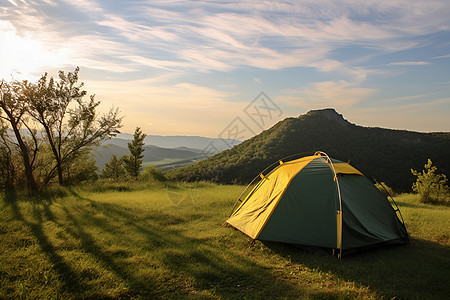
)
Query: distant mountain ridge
[
  {"x": 166, "y": 152},
  {"x": 384, "y": 154},
  {"x": 176, "y": 141}
]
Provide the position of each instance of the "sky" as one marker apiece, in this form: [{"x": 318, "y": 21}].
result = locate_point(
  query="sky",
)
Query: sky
[{"x": 231, "y": 69}]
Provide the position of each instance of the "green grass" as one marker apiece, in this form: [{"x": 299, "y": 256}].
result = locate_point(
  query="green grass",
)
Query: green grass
[
  {"x": 171, "y": 163},
  {"x": 168, "y": 242}
]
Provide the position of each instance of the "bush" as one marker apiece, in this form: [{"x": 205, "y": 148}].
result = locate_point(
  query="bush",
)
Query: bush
[
  {"x": 82, "y": 169},
  {"x": 384, "y": 188},
  {"x": 431, "y": 187},
  {"x": 152, "y": 174}
]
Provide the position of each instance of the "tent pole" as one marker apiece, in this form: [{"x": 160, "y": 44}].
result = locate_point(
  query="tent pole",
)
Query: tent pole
[
  {"x": 340, "y": 211},
  {"x": 396, "y": 208},
  {"x": 340, "y": 200}
]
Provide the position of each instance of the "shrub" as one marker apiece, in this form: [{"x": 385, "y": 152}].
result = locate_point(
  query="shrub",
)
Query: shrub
[
  {"x": 384, "y": 188},
  {"x": 430, "y": 186},
  {"x": 152, "y": 174}
]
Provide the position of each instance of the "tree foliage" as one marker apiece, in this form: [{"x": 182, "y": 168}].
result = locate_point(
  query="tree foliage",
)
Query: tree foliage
[
  {"x": 54, "y": 126},
  {"x": 71, "y": 124},
  {"x": 114, "y": 169},
  {"x": 430, "y": 186},
  {"x": 13, "y": 113},
  {"x": 133, "y": 161}
]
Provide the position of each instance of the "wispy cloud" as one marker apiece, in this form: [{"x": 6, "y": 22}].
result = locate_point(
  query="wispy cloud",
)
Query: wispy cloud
[
  {"x": 21, "y": 56},
  {"x": 330, "y": 48},
  {"x": 442, "y": 56},
  {"x": 173, "y": 109},
  {"x": 408, "y": 63},
  {"x": 338, "y": 94},
  {"x": 224, "y": 36},
  {"x": 399, "y": 115}
]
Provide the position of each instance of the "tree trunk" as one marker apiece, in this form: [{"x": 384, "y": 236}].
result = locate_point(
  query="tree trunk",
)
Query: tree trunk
[
  {"x": 60, "y": 173},
  {"x": 54, "y": 150},
  {"x": 32, "y": 184}
]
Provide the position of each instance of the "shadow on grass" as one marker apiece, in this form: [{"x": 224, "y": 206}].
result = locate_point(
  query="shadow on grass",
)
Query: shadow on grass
[
  {"x": 68, "y": 277},
  {"x": 156, "y": 256},
  {"x": 417, "y": 271},
  {"x": 157, "y": 261}
]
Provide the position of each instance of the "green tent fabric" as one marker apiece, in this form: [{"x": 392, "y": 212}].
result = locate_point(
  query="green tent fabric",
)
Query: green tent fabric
[{"x": 318, "y": 202}]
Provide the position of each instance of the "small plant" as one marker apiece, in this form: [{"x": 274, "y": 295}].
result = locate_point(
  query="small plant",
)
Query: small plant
[
  {"x": 384, "y": 188},
  {"x": 430, "y": 186}
]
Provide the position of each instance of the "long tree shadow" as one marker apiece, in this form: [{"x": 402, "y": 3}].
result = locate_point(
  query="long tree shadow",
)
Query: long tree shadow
[
  {"x": 91, "y": 245},
  {"x": 155, "y": 254},
  {"x": 69, "y": 278},
  {"x": 417, "y": 271},
  {"x": 186, "y": 258}
]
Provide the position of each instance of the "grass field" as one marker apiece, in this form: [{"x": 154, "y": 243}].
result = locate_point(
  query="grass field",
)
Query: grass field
[
  {"x": 167, "y": 242},
  {"x": 168, "y": 163}
]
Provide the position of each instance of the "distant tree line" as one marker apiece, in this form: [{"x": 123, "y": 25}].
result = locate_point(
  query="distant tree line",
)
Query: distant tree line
[{"x": 47, "y": 131}]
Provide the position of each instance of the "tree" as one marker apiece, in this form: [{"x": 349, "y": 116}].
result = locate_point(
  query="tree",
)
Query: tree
[
  {"x": 7, "y": 168},
  {"x": 13, "y": 105},
  {"x": 429, "y": 185},
  {"x": 82, "y": 169},
  {"x": 114, "y": 169},
  {"x": 69, "y": 131},
  {"x": 133, "y": 161},
  {"x": 53, "y": 125}
]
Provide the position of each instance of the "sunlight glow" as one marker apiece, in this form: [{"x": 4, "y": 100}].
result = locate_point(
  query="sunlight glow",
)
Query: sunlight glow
[{"x": 22, "y": 57}]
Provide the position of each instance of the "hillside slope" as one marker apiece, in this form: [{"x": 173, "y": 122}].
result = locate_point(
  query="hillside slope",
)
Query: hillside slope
[
  {"x": 384, "y": 154},
  {"x": 151, "y": 153}
]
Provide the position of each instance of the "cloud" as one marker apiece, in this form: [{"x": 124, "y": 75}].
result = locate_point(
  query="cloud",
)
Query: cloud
[
  {"x": 156, "y": 41},
  {"x": 408, "y": 63},
  {"x": 442, "y": 56},
  {"x": 404, "y": 115},
  {"x": 22, "y": 56},
  {"x": 337, "y": 94},
  {"x": 181, "y": 108},
  {"x": 161, "y": 64},
  {"x": 203, "y": 36}
]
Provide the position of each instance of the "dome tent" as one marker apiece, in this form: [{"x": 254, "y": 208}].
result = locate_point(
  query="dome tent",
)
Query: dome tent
[{"x": 317, "y": 202}]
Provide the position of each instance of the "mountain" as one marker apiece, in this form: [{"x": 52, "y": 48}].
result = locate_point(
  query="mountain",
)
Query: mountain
[
  {"x": 384, "y": 154},
  {"x": 165, "y": 152},
  {"x": 193, "y": 142},
  {"x": 152, "y": 154}
]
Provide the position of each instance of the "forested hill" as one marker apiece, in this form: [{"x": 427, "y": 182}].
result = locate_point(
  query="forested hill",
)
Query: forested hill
[{"x": 384, "y": 154}]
